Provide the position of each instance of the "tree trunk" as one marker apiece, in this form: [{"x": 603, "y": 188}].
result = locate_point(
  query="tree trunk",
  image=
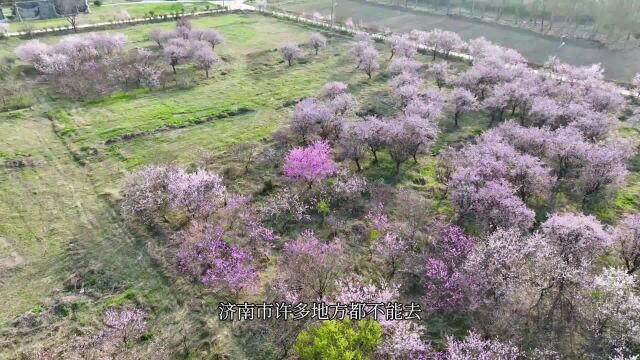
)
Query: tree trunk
[
  {"x": 174, "y": 68},
  {"x": 455, "y": 117},
  {"x": 358, "y": 164}
]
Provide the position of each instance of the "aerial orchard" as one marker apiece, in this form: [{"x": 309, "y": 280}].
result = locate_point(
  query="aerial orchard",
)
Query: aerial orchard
[
  {"x": 499, "y": 242},
  {"x": 97, "y": 64}
]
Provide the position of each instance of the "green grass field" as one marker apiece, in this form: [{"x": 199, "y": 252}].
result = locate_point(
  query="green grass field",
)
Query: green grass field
[{"x": 61, "y": 229}]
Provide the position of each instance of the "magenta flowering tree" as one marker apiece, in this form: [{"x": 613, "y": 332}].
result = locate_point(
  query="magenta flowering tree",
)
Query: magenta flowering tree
[
  {"x": 447, "y": 287},
  {"x": 317, "y": 41},
  {"x": 208, "y": 258},
  {"x": 628, "y": 242},
  {"x": 310, "y": 164},
  {"x": 309, "y": 268},
  {"x": 125, "y": 324},
  {"x": 462, "y": 101},
  {"x": 290, "y": 52}
]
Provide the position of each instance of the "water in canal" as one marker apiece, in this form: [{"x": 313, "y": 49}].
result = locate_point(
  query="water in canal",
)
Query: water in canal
[{"x": 618, "y": 64}]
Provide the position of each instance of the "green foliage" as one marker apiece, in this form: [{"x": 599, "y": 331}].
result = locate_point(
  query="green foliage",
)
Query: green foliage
[
  {"x": 323, "y": 208},
  {"x": 339, "y": 340},
  {"x": 121, "y": 299}
]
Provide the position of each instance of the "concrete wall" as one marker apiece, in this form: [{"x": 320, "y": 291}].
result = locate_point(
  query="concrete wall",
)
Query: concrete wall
[{"x": 47, "y": 9}]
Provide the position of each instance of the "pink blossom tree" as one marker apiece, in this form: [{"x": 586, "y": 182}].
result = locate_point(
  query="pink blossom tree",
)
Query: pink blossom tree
[
  {"x": 309, "y": 268},
  {"x": 369, "y": 61},
  {"x": 408, "y": 136},
  {"x": 146, "y": 192},
  {"x": 401, "y": 46},
  {"x": 32, "y": 50},
  {"x": 306, "y": 118},
  {"x": 334, "y": 88},
  {"x": 497, "y": 198},
  {"x": 373, "y": 135},
  {"x": 440, "y": 73},
  {"x": 462, "y": 101},
  {"x": 310, "y": 164},
  {"x": 290, "y": 52},
  {"x": 124, "y": 324},
  {"x": 351, "y": 145},
  {"x": 205, "y": 58},
  {"x": 604, "y": 167},
  {"x": 404, "y": 64},
  {"x": 628, "y": 242},
  {"x": 199, "y": 192},
  {"x": 174, "y": 53},
  {"x": 317, "y": 41},
  {"x": 211, "y": 36},
  {"x": 444, "y": 42},
  {"x": 474, "y": 347}
]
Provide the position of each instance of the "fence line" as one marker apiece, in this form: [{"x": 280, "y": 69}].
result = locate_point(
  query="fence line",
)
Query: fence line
[{"x": 113, "y": 23}]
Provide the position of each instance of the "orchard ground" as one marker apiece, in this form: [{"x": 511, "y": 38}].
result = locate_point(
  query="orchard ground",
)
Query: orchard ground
[{"x": 60, "y": 212}]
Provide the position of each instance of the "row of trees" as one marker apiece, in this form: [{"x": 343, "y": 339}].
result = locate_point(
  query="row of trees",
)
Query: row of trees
[
  {"x": 97, "y": 64},
  {"x": 613, "y": 18}
]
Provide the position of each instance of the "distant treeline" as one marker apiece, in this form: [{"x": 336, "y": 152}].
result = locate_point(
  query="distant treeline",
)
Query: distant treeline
[{"x": 617, "y": 19}]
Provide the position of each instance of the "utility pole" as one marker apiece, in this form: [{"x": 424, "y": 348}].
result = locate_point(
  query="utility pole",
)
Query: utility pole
[{"x": 333, "y": 6}]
